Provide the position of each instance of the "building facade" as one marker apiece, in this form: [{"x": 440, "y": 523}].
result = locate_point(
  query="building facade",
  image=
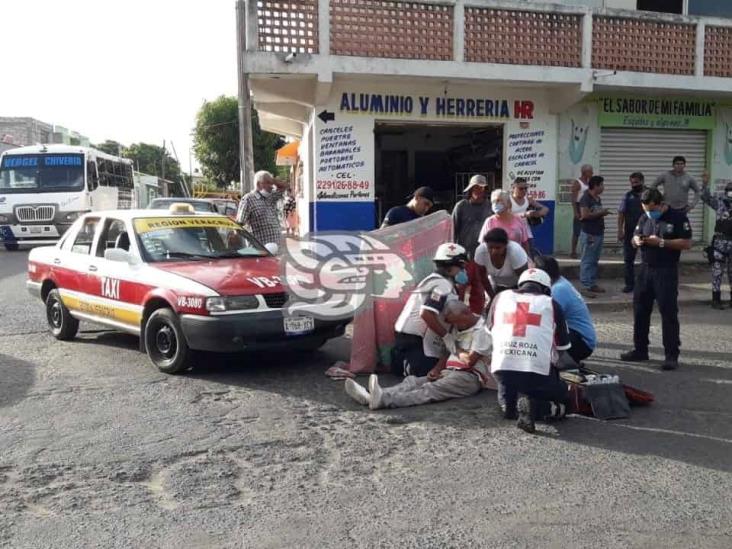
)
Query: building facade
[
  {"x": 25, "y": 131},
  {"x": 386, "y": 96}
]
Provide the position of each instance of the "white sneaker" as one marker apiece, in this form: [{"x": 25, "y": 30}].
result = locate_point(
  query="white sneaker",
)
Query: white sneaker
[
  {"x": 357, "y": 392},
  {"x": 373, "y": 381},
  {"x": 376, "y": 393}
]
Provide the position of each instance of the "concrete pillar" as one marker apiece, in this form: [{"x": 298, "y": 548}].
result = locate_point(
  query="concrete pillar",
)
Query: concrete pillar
[
  {"x": 324, "y": 27},
  {"x": 458, "y": 33},
  {"x": 699, "y": 57},
  {"x": 252, "y": 26},
  {"x": 587, "y": 40}
]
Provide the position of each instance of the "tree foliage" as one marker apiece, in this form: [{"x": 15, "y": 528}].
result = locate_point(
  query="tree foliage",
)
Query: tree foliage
[
  {"x": 216, "y": 141},
  {"x": 147, "y": 158},
  {"x": 110, "y": 147}
]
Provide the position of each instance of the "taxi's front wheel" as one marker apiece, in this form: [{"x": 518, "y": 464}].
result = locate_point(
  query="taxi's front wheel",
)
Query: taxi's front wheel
[
  {"x": 166, "y": 346},
  {"x": 63, "y": 326}
]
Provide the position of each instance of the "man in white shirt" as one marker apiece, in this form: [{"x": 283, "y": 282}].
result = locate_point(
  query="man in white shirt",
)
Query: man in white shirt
[
  {"x": 579, "y": 186},
  {"x": 500, "y": 261},
  {"x": 464, "y": 373},
  {"x": 420, "y": 328}
]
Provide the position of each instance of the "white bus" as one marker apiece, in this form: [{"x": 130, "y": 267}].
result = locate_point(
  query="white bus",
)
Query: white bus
[{"x": 45, "y": 188}]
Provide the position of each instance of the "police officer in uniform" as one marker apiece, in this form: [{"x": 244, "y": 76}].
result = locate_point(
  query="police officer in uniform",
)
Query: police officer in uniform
[
  {"x": 629, "y": 212},
  {"x": 421, "y": 333},
  {"x": 528, "y": 331},
  {"x": 662, "y": 233},
  {"x": 722, "y": 242}
]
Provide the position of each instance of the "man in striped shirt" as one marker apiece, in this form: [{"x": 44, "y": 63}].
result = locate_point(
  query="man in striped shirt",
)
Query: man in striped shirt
[{"x": 258, "y": 208}]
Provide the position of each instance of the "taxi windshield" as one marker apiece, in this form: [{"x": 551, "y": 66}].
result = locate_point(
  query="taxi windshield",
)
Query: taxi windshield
[{"x": 194, "y": 239}]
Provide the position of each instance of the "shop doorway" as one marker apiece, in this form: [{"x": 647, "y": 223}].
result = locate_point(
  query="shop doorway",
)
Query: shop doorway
[
  {"x": 440, "y": 156},
  {"x": 627, "y": 150}
]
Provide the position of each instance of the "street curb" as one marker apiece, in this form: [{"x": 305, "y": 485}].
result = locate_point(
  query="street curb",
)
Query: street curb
[{"x": 616, "y": 306}]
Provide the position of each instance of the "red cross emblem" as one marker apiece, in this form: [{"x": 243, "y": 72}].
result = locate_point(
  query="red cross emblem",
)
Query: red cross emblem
[
  {"x": 521, "y": 319},
  {"x": 452, "y": 247}
]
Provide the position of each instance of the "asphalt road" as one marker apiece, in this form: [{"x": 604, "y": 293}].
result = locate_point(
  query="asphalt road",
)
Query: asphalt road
[{"x": 98, "y": 449}]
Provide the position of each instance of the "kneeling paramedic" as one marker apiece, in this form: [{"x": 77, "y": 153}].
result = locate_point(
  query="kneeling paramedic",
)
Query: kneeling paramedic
[
  {"x": 528, "y": 329},
  {"x": 421, "y": 326},
  {"x": 464, "y": 373}
]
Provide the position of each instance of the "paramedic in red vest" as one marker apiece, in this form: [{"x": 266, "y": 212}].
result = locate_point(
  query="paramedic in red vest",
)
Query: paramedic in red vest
[
  {"x": 528, "y": 330},
  {"x": 421, "y": 333}
]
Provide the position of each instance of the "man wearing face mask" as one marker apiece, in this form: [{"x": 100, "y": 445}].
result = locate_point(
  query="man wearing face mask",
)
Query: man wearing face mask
[
  {"x": 258, "y": 208},
  {"x": 421, "y": 335},
  {"x": 662, "y": 233},
  {"x": 722, "y": 242},
  {"x": 629, "y": 212}
]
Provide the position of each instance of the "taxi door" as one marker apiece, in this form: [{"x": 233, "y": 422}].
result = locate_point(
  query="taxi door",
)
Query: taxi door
[
  {"x": 113, "y": 283},
  {"x": 71, "y": 264}
]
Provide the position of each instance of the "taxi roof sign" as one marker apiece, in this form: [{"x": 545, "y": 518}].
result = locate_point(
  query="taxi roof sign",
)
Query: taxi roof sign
[{"x": 181, "y": 208}]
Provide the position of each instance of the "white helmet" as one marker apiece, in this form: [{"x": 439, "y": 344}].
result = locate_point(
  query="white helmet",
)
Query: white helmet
[
  {"x": 535, "y": 275},
  {"x": 449, "y": 252}
]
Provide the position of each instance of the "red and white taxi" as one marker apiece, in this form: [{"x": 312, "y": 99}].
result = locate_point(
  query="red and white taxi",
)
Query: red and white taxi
[{"x": 181, "y": 280}]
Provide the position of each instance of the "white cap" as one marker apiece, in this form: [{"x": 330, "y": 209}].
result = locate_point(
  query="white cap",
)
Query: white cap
[
  {"x": 476, "y": 180},
  {"x": 535, "y": 275},
  {"x": 449, "y": 251}
]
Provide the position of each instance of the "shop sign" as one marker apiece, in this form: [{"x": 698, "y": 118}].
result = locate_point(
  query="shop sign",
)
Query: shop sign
[
  {"x": 527, "y": 157},
  {"x": 657, "y": 113},
  {"x": 380, "y": 104},
  {"x": 342, "y": 168}
]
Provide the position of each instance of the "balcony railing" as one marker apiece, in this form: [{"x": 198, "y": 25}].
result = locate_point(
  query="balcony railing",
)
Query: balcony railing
[{"x": 503, "y": 32}]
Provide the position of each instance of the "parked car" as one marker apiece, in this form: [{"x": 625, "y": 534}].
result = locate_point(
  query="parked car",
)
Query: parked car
[
  {"x": 181, "y": 280},
  {"x": 226, "y": 207},
  {"x": 198, "y": 204}
]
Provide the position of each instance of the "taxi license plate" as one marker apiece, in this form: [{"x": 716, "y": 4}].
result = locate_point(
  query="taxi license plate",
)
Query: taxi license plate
[
  {"x": 299, "y": 325},
  {"x": 35, "y": 230}
]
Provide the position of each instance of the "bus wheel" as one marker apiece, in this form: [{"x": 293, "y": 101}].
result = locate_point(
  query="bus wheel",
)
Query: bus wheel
[{"x": 11, "y": 247}]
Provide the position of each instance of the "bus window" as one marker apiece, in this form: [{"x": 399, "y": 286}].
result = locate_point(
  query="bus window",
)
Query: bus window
[{"x": 91, "y": 174}]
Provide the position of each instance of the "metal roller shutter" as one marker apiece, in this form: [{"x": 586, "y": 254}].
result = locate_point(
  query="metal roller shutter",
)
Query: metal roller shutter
[{"x": 625, "y": 150}]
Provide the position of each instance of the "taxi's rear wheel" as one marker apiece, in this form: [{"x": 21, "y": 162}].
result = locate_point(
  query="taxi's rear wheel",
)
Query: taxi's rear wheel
[
  {"x": 166, "y": 346},
  {"x": 11, "y": 247},
  {"x": 63, "y": 326}
]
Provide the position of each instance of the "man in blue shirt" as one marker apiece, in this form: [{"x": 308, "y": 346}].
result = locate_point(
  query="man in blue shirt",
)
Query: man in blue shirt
[
  {"x": 422, "y": 201},
  {"x": 581, "y": 329}
]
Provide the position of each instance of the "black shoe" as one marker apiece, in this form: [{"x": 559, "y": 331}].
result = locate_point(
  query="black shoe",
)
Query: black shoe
[
  {"x": 627, "y": 290},
  {"x": 525, "y": 418},
  {"x": 634, "y": 356},
  {"x": 509, "y": 412},
  {"x": 670, "y": 364}
]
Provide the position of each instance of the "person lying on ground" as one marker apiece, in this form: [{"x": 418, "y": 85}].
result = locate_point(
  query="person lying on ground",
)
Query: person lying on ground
[{"x": 464, "y": 373}]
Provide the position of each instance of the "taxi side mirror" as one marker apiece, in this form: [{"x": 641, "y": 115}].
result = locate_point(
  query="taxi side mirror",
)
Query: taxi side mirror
[
  {"x": 118, "y": 254},
  {"x": 272, "y": 248}
]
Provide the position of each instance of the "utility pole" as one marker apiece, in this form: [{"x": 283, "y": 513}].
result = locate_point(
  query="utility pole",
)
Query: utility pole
[
  {"x": 162, "y": 163},
  {"x": 246, "y": 154}
]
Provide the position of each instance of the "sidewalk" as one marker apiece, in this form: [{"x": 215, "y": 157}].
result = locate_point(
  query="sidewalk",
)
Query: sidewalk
[
  {"x": 611, "y": 266},
  {"x": 694, "y": 285}
]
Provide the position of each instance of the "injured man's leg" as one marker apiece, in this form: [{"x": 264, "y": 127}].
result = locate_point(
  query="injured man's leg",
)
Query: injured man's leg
[{"x": 414, "y": 391}]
